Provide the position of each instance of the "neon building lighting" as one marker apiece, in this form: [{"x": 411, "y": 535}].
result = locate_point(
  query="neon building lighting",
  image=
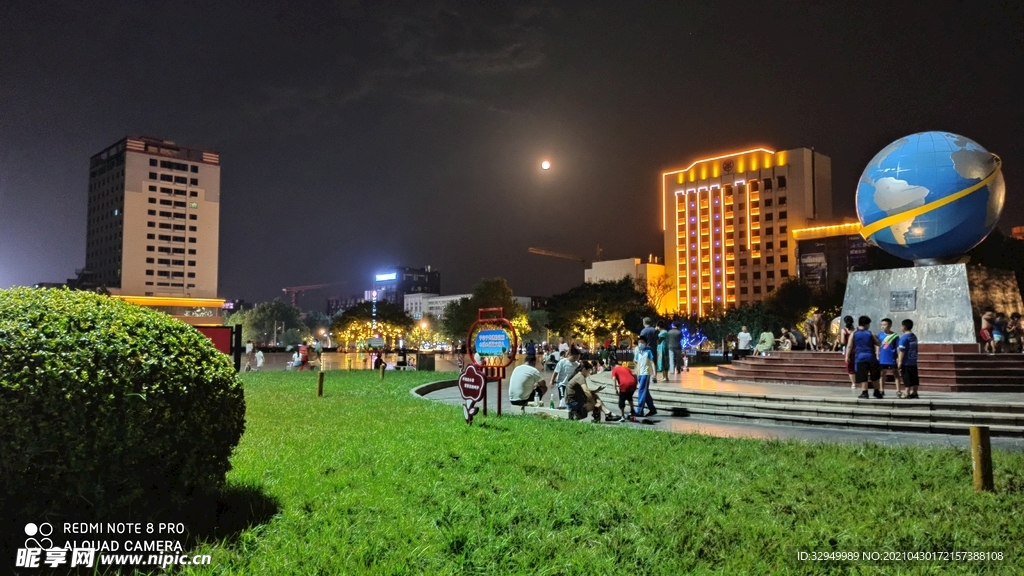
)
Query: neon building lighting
[{"x": 726, "y": 219}]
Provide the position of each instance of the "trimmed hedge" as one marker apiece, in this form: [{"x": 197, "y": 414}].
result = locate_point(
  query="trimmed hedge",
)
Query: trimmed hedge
[{"x": 108, "y": 405}]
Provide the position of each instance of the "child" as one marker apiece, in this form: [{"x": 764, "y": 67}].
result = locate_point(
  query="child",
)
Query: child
[
  {"x": 907, "y": 359},
  {"x": 625, "y": 386}
]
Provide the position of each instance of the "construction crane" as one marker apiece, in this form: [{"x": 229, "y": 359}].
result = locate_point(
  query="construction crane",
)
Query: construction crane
[
  {"x": 294, "y": 291},
  {"x": 542, "y": 252}
]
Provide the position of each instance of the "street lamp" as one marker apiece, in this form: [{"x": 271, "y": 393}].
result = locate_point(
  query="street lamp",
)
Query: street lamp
[{"x": 545, "y": 165}]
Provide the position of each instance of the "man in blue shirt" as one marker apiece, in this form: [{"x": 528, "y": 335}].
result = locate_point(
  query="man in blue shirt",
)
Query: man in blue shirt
[
  {"x": 860, "y": 353},
  {"x": 887, "y": 355},
  {"x": 907, "y": 358}
]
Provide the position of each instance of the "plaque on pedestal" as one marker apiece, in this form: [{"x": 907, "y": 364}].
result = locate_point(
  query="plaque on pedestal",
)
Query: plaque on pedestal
[{"x": 944, "y": 301}]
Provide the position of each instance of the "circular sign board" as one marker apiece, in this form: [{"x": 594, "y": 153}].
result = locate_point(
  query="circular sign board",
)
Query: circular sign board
[
  {"x": 492, "y": 343},
  {"x": 727, "y": 166}
]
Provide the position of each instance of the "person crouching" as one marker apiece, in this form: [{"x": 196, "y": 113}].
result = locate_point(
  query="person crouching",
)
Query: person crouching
[{"x": 581, "y": 400}]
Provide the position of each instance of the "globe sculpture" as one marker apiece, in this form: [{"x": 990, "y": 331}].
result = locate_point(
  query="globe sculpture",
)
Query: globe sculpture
[{"x": 930, "y": 197}]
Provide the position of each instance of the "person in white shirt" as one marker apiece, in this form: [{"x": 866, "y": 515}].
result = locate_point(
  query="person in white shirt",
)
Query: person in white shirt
[
  {"x": 645, "y": 369},
  {"x": 743, "y": 342},
  {"x": 259, "y": 360},
  {"x": 564, "y": 370},
  {"x": 523, "y": 383},
  {"x": 563, "y": 347},
  {"x": 250, "y": 360}
]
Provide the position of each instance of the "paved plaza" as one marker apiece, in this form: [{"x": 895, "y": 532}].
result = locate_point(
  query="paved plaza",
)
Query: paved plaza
[{"x": 696, "y": 380}]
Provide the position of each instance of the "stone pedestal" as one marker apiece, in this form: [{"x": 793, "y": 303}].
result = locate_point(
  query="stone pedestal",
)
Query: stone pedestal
[{"x": 944, "y": 301}]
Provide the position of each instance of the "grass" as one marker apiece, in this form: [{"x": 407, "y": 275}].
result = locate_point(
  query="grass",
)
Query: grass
[{"x": 373, "y": 481}]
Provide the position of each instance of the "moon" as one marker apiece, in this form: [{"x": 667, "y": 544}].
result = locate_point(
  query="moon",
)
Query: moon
[{"x": 545, "y": 165}]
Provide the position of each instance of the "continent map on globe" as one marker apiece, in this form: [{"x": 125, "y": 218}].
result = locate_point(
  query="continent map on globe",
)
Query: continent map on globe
[{"x": 930, "y": 196}]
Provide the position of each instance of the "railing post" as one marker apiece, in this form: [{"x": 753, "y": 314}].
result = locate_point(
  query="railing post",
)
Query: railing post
[{"x": 981, "y": 458}]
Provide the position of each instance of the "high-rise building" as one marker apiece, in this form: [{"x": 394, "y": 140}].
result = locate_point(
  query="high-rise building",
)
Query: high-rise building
[
  {"x": 727, "y": 218},
  {"x": 395, "y": 283},
  {"x": 825, "y": 255},
  {"x": 154, "y": 219}
]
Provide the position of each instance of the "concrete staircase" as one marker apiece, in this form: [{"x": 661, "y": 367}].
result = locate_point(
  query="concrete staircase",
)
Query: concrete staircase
[
  {"x": 942, "y": 368},
  {"x": 925, "y": 416}
]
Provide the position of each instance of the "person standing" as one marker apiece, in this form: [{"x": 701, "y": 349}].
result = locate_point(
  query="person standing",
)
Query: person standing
[
  {"x": 887, "y": 356},
  {"x": 562, "y": 346},
  {"x": 259, "y": 360},
  {"x": 564, "y": 369},
  {"x": 523, "y": 383},
  {"x": 625, "y": 387},
  {"x": 531, "y": 352},
  {"x": 844, "y": 338},
  {"x": 644, "y": 361},
  {"x": 1014, "y": 332},
  {"x": 675, "y": 349},
  {"x": 663, "y": 351},
  {"x": 999, "y": 327},
  {"x": 906, "y": 358},
  {"x": 651, "y": 334},
  {"x": 987, "y": 319},
  {"x": 250, "y": 357},
  {"x": 743, "y": 342},
  {"x": 860, "y": 352}
]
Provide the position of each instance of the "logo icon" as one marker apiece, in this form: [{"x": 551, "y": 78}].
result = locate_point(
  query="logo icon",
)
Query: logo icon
[{"x": 43, "y": 530}]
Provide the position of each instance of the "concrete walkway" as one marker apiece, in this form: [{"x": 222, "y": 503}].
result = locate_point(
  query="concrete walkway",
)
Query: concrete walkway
[{"x": 695, "y": 380}]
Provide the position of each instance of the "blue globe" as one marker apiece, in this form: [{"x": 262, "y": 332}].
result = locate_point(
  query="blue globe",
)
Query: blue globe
[{"x": 930, "y": 196}]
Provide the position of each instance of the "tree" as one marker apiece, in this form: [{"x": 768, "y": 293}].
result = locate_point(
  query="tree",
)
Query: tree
[
  {"x": 425, "y": 331},
  {"x": 791, "y": 301},
  {"x": 538, "y": 326},
  {"x": 315, "y": 320},
  {"x": 258, "y": 323},
  {"x": 357, "y": 323},
  {"x": 598, "y": 310},
  {"x": 460, "y": 314},
  {"x": 655, "y": 288}
]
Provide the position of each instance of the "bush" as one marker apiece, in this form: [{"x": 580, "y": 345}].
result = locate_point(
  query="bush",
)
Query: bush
[{"x": 109, "y": 406}]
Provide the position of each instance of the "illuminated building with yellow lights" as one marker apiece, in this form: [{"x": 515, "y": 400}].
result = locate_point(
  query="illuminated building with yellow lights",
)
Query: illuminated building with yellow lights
[
  {"x": 193, "y": 311},
  {"x": 826, "y": 254},
  {"x": 727, "y": 218}
]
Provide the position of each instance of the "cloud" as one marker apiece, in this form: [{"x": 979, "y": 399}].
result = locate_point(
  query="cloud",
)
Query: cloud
[{"x": 441, "y": 52}]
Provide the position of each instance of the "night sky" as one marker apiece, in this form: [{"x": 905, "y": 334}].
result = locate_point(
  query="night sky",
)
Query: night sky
[{"x": 357, "y": 135}]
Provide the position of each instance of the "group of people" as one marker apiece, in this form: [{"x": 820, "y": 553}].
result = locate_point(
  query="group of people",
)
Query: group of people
[
  {"x": 254, "y": 358},
  {"x": 871, "y": 357},
  {"x": 568, "y": 383},
  {"x": 1001, "y": 333}
]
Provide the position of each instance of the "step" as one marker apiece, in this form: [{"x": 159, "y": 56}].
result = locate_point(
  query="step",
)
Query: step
[
  {"x": 830, "y": 412},
  {"x": 834, "y": 381},
  {"x": 1016, "y": 408}
]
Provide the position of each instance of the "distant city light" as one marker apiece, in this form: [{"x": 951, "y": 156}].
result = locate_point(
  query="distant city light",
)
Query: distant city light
[{"x": 545, "y": 165}]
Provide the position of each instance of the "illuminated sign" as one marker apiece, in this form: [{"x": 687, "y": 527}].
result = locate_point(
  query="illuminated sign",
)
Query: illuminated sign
[
  {"x": 493, "y": 343},
  {"x": 386, "y": 277}
]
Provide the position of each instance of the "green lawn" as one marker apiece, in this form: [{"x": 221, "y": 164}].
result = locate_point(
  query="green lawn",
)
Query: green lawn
[{"x": 371, "y": 480}]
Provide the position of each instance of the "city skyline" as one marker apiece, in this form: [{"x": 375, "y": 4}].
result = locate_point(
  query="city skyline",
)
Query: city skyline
[{"x": 354, "y": 139}]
